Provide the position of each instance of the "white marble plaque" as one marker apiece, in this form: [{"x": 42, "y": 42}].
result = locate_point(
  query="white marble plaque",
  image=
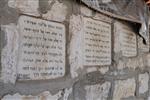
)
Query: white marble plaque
[
  {"x": 96, "y": 42},
  {"x": 42, "y": 49},
  {"x": 126, "y": 40}
]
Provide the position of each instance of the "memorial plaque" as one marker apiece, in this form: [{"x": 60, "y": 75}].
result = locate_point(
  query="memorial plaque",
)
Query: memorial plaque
[
  {"x": 42, "y": 49},
  {"x": 126, "y": 40},
  {"x": 96, "y": 42}
]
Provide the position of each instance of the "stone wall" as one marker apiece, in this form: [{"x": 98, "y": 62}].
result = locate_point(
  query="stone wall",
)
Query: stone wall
[{"x": 94, "y": 56}]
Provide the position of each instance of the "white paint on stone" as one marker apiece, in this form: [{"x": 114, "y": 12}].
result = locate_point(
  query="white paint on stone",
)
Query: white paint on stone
[
  {"x": 43, "y": 96},
  {"x": 9, "y": 54},
  {"x": 124, "y": 88},
  {"x": 91, "y": 69},
  {"x": 143, "y": 83},
  {"x": 75, "y": 53},
  {"x": 103, "y": 70},
  {"x": 29, "y": 7},
  {"x": 97, "y": 92},
  {"x": 58, "y": 12}
]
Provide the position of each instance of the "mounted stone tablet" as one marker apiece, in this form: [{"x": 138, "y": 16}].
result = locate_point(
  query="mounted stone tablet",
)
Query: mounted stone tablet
[{"x": 41, "y": 49}]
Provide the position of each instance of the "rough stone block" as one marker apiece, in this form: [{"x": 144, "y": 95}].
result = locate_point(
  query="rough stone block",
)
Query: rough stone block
[
  {"x": 124, "y": 88},
  {"x": 58, "y": 12},
  {"x": 143, "y": 82},
  {"x": 97, "y": 92},
  {"x": 29, "y": 7}
]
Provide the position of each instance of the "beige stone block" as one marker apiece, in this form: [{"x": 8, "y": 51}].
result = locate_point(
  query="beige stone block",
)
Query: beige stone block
[
  {"x": 29, "y": 7},
  {"x": 143, "y": 83},
  {"x": 58, "y": 12},
  {"x": 97, "y": 92},
  {"x": 124, "y": 88}
]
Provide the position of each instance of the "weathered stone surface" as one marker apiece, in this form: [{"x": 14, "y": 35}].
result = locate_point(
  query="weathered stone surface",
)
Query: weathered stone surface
[
  {"x": 90, "y": 81},
  {"x": 9, "y": 54},
  {"x": 104, "y": 70},
  {"x": 41, "y": 49},
  {"x": 132, "y": 63},
  {"x": 100, "y": 16},
  {"x": 97, "y": 92},
  {"x": 121, "y": 65},
  {"x": 67, "y": 92},
  {"x": 141, "y": 62},
  {"x": 57, "y": 12},
  {"x": 43, "y": 96},
  {"x": 148, "y": 60},
  {"x": 141, "y": 46},
  {"x": 93, "y": 78},
  {"x": 124, "y": 88},
  {"x": 86, "y": 11},
  {"x": 143, "y": 83},
  {"x": 29, "y": 7},
  {"x": 75, "y": 53}
]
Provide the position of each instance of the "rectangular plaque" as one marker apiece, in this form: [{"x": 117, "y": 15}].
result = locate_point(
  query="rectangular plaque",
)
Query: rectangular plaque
[
  {"x": 128, "y": 42},
  {"x": 42, "y": 49},
  {"x": 96, "y": 42}
]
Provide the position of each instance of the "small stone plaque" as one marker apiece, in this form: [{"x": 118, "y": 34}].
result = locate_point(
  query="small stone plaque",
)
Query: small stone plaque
[
  {"x": 41, "y": 49},
  {"x": 125, "y": 40},
  {"x": 96, "y": 42}
]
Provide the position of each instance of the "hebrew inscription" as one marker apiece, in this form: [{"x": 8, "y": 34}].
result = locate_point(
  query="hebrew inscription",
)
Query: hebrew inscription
[
  {"x": 42, "y": 49},
  {"x": 96, "y": 42},
  {"x": 129, "y": 46},
  {"x": 126, "y": 40}
]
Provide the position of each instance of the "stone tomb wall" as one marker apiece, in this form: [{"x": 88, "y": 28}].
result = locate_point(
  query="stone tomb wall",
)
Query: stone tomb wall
[{"x": 63, "y": 50}]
